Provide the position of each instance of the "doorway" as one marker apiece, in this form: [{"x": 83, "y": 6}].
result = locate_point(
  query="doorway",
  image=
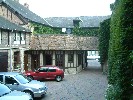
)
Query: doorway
[
  {"x": 48, "y": 58},
  {"x": 3, "y": 61}
]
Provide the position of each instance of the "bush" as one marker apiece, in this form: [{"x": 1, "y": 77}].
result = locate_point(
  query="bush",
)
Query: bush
[{"x": 113, "y": 92}]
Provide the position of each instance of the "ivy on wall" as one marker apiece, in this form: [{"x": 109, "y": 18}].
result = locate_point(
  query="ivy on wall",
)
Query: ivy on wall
[
  {"x": 120, "y": 49},
  {"x": 104, "y": 36},
  {"x": 41, "y": 29},
  {"x": 85, "y": 31}
]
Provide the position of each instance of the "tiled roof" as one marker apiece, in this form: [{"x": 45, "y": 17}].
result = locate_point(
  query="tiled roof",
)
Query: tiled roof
[
  {"x": 63, "y": 42},
  {"x": 85, "y": 21},
  {"x": 25, "y": 12},
  {"x": 5, "y": 24}
]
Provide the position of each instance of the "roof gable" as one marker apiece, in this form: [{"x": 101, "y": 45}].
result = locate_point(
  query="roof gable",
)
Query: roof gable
[{"x": 24, "y": 12}]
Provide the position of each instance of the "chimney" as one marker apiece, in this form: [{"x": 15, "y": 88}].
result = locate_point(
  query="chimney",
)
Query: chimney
[
  {"x": 26, "y": 5},
  {"x": 76, "y": 22}
]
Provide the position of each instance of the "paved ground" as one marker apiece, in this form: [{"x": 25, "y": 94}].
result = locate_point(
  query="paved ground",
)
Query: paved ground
[{"x": 90, "y": 84}]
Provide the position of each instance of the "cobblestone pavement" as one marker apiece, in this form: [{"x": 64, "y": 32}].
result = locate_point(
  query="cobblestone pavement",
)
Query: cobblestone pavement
[{"x": 89, "y": 84}]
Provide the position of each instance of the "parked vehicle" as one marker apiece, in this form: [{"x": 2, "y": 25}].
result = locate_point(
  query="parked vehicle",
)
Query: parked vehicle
[
  {"x": 49, "y": 72},
  {"x": 19, "y": 82},
  {"x": 7, "y": 94}
]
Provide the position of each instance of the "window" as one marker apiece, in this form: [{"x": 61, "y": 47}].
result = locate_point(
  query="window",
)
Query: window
[
  {"x": 68, "y": 31},
  {"x": 19, "y": 38},
  {"x": 79, "y": 59},
  {"x": 1, "y": 78},
  {"x": 52, "y": 70},
  {"x": 22, "y": 36},
  {"x": 70, "y": 58},
  {"x": 10, "y": 80},
  {"x": 43, "y": 70}
]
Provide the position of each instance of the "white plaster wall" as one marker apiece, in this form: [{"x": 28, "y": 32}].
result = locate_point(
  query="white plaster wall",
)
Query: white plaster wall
[
  {"x": 70, "y": 71},
  {"x": 53, "y": 59},
  {"x": 66, "y": 60},
  {"x": 41, "y": 59},
  {"x": 79, "y": 69},
  {"x": 75, "y": 55},
  {"x": 22, "y": 59}
]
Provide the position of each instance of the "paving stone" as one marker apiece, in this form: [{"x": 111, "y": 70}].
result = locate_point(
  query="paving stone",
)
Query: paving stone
[{"x": 87, "y": 85}]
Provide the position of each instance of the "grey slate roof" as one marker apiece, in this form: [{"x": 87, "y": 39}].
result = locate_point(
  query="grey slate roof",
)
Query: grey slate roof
[
  {"x": 5, "y": 24},
  {"x": 92, "y": 21},
  {"x": 62, "y": 22},
  {"x": 25, "y": 12},
  {"x": 67, "y": 22}
]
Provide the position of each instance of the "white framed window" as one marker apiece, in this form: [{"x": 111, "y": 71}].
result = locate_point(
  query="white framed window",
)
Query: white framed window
[
  {"x": 17, "y": 38},
  {"x": 23, "y": 38}
]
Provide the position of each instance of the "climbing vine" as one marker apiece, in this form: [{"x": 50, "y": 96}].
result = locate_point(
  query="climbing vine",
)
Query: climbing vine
[
  {"x": 41, "y": 29},
  {"x": 120, "y": 50},
  {"x": 104, "y": 36},
  {"x": 85, "y": 31}
]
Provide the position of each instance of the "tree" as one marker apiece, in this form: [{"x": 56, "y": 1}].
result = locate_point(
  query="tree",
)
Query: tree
[
  {"x": 104, "y": 36},
  {"x": 120, "y": 49}
]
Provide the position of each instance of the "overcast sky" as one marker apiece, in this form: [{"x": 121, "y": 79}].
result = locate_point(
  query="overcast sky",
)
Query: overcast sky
[{"x": 69, "y": 8}]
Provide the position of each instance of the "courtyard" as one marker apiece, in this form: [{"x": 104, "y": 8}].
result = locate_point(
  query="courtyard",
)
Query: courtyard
[{"x": 89, "y": 84}]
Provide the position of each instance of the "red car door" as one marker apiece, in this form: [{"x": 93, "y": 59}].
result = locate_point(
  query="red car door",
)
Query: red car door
[
  {"x": 42, "y": 73},
  {"x": 51, "y": 73}
]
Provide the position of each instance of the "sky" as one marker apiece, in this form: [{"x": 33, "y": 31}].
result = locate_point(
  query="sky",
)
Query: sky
[{"x": 69, "y": 8}]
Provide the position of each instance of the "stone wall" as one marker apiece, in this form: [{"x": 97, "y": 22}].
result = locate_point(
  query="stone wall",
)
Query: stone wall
[
  {"x": 63, "y": 42},
  {"x": 5, "y": 42}
]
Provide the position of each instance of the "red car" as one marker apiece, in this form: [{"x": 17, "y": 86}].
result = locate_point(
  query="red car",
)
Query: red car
[{"x": 48, "y": 72}]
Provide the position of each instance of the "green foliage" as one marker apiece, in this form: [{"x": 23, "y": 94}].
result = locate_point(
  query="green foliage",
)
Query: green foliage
[
  {"x": 104, "y": 36},
  {"x": 41, "y": 29},
  {"x": 113, "y": 92},
  {"x": 85, "y": 31},
  {"x": 120, "y": 48}
]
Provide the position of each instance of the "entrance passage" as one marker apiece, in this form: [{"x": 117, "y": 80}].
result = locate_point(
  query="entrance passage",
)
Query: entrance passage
[
  {"x": 3, "y": 61},
  {"x": 48, "y": 58}
]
